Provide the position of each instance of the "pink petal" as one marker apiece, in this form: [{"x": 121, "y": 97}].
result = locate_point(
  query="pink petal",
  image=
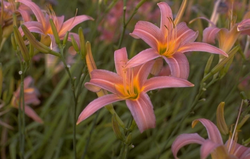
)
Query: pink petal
[
  {"x": 104, "y": 79},
  {"x": 27, "y": 82},
  {"x": 106, "y": 75},
  {"x": 76, "y": 37},
  {"x": 97, "y": 104},
  {"x": 212, "y": 131},
  {"x": 165, "y": 82},
  {"x": 148, "y": 32},
  {"x": 25, "y": 14},
  {"x": 31, "y": 113},
  {"x": 121, "y": 59},
  {"x": 165, "y": 71},
  {"x": 183, "y": 140},
  {"x": 36, "y": 10},
  {"x": 72, "y": 22},
  {"x": 157, "y": 67},
  {"x": 244, "y": 25},
  {"x": 143, "y": 73},
  {"x": 31, "y": 99},
  {"x": 142, "y": 112},
  {"x": 184, "y": 34},
  {"x": 166, "y": 13},
  {"x": 142, "y": 57},
  {"x": 209, "y": 34},
  {"x": 178, "y": 65},
  {"x": 58, "y": 21},
  {"x": 198, "y": 46},
  {"x": 240, "y": 151},
  {"x": 33, "y": 26},
  {"x": 207, "y": 147}
]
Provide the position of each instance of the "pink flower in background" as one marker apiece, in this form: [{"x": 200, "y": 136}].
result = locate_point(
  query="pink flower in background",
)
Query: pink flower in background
[
  {"x": 111, "y": 27},
  {"x": 169, "y": 42},
  {"x": 222, "y": 35},
  {"x": 213, "y": 145},
  {"x": 42, "y": 25},
  {"x": 130, "y": 85},
  {"x": 30, "y": 97}
]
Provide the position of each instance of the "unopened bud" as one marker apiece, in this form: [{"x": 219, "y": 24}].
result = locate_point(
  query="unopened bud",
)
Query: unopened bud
[
  {"x": 38, "y": 45},
  {"x": 129, "y": 139},
  {"x": 74, "y": 43},
  {"x": 54, "y": 30},
  {"x": 208, "y": 65},
  {"x": 65, "y": 39},
  {"x": 21, "y": 45},
  {"x": 82, "y": 43},
  {"x": 220, "y": 120}
]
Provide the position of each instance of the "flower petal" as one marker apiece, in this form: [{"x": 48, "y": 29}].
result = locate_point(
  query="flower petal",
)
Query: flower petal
[
  {"x": 31, "y": 113},
  {"x": 212, "y": 130},
  {"x": 104, "y": 79},
  {"x": 183, "y": 140},
  {"x": 209, "y": 34},
  {"x": 244, "y": 25},
  {"x": 185, "y": 34},
  {"x": 148, "y": 32},
  {"x": 165, "y": 82},
  {"x": 207, "y": 147},
  {"x": 166, "y": 13},
  {"x": 143, "y": 73},
  {"x": 72, "y": 22},
  {"x": 121, "y": 59},
  {"x": 97, "y": 104},
  {"x": 178, "y": 65},
  {"x": 142, "y": 111},
  {"x": 36, "y": 10},
  {"x": 198, "y": 46},
  {"x": 34, "y": 27},
  {"x": 142, "y": 57},
  {"x": 157, "y": 67}
]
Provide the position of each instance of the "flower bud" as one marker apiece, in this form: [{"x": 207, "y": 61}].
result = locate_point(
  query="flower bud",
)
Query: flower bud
[
  {"x": 65, "y": 39},
  {"x": 73, "y": 41},
  {"x": 38, "y": 45},
  {"x": 208, "y": 65},
  {"x": 54, "y": 30},
  {"x": 82, "y": 43},
  {"x": 220, "y": 120},
  {"x": 21, "y": 45}
]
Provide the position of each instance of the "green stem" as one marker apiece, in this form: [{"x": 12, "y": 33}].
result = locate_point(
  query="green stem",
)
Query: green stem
[
  {"x": 129, "y": 19},
  {"x": 200, "y": 93},
  {"x": 21, "y": 112},
  {"x": 74, "y": 97}
]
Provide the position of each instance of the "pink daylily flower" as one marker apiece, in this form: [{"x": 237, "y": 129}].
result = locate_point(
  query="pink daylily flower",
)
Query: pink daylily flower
[
  {"x": 30, "y": 97},
  {"x": 213, "y": 145},
  {"x": 222, "y": 35},
  {"x": 42, "y": 25},
  {"x": 169, "y": 41},
  {"x": 244, "y": 27},
  {"x": 130, "y": 85}
]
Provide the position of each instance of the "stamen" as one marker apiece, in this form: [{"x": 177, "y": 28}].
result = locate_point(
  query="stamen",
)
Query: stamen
[{"x": 236, "y": 124}]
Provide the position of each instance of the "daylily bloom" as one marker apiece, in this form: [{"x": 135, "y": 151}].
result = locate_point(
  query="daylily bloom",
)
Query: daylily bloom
[
  {"x": 213, "y": 145},
  {"x": 244, "y": 27},
  {"x": 42, "y": 25},
  {"x": 9, "y": 8},
  {"x": 130, "y": 85},
  {"x": 169, "y": 42},
  {"x": 30, "y": 97},
  {"x": 222, "y": 35}
]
